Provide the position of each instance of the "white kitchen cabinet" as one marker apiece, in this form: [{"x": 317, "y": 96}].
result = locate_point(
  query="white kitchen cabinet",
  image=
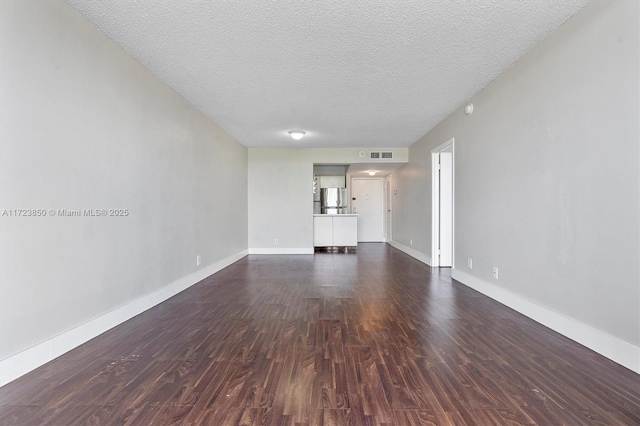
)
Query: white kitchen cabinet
[
  {"x": 335, "y": 230},
  {"x": 332, "y": 182},
  {"x": 323, "y": 231},
  {"x": 345, "y": 231}
]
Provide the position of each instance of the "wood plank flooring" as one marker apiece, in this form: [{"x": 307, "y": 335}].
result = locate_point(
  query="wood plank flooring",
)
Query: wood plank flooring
[{"x": 367, "y": 338}]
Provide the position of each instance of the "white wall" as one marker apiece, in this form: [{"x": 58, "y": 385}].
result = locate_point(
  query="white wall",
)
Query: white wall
[
  {"x": 281, "y": 198},
  {"x": 547, "y": 178},
  {"x": 85, "y": 126}
]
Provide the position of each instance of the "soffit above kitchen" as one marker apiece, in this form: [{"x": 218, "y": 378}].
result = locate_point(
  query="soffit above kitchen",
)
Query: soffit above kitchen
[{"x": 359, "y": 73}]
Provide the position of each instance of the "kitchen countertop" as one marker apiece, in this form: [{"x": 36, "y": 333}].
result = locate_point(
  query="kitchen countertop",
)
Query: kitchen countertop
[{"x": 334, "y": 215}]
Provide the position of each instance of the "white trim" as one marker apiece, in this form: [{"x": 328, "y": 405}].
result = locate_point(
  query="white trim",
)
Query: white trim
[
  {"x": 435, "y": 208},
  {"x": 411, "y": 252},
  {"x": 301, "y": 250},
  {"x": 615, "y": 349},
  {"x": 388, "y": 205},
  {"x": 435, "y": 202},
  {"x": 23, "y": 362}
]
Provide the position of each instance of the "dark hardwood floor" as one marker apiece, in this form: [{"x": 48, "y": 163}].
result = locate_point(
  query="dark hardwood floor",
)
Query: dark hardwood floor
[{"x": 374, "y": 337}]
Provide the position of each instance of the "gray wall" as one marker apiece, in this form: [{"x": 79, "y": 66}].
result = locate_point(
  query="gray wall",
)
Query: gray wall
[
  {"x": 411, "y": 202},
  {"x": 280, "y": 199},
  {"x": 85, "y": 126},
  {"x": 547, "y": 175}
]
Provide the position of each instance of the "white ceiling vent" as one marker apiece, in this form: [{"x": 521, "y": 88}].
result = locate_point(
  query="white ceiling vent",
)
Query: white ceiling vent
[{"x": 380, "y": 155}]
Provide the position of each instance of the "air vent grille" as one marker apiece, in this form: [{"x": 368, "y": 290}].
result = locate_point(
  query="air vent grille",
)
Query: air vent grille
[{"x": 380, "y": 155}]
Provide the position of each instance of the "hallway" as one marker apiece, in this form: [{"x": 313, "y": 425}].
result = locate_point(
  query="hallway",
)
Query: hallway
[{"x": 372, "y": 337}]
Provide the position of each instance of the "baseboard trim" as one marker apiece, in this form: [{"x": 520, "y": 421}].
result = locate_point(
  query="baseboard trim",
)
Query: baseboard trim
[
  {"x": 281, "y": 250},
  {"x": 411, "y": 252},
  {"x": 23, "y": 362},
  {"x": 615, "y": 349}
]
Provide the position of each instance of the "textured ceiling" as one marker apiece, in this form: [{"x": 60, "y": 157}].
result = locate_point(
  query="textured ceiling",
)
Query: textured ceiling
[{"x": 359, "y": 73}]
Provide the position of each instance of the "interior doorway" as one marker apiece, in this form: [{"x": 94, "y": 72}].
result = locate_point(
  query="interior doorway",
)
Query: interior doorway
[
  {"x": 442, "y": 159},
  {"x": 367, "y": 200},
  {"x": 387, "y": 206}
]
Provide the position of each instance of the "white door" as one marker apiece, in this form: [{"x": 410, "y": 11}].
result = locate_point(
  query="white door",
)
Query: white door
[
  {"x": 443, "y": 205},
  {"x": 446, "y": 209},
  {"x": 368, "y": 202},
  {"x": 387, "y": 201}
]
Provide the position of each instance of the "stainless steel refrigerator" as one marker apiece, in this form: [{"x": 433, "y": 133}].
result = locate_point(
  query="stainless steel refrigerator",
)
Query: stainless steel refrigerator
[{"x": 333, "y": 201}]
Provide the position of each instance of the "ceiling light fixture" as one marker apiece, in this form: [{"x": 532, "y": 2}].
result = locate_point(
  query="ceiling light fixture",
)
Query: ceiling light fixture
[
  {"x": 297, "y": 134},
  {"x": 371, "y": 172}
]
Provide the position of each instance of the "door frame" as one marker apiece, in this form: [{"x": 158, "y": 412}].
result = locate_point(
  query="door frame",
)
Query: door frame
[
  {"x": 435, "y": 202},
  {"x": 388, "y": 210}
]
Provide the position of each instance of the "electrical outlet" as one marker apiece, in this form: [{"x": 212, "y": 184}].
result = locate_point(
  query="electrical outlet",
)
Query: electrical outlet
[
  {"x": 275, "y": 242},
  {"x": 411, "y": 243},
  {"x": 198, "y": 260},
  {"x": 470, "y": 263},
  {"x": 495, "y": 272}
]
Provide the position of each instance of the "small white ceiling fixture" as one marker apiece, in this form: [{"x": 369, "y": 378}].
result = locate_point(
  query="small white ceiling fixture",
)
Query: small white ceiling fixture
[
  {"x": 297, "y": 134},
  {"x": 372, "y": 172}
]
